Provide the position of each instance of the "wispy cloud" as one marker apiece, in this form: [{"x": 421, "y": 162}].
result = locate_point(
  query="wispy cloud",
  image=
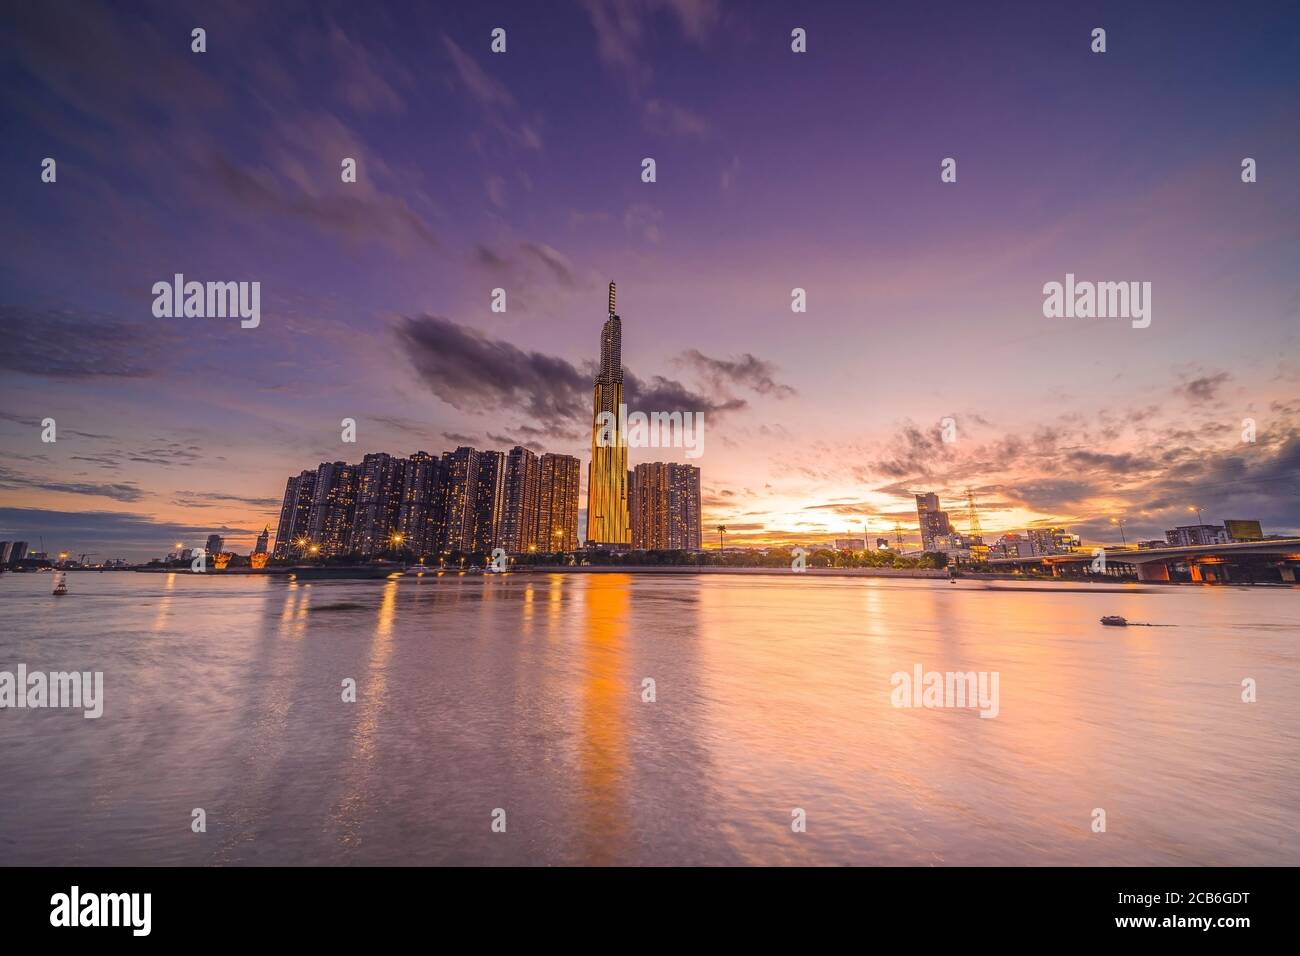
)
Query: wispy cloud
[
  {"x": 118, "y": 491},
  {"x": 747, "y": 371}
]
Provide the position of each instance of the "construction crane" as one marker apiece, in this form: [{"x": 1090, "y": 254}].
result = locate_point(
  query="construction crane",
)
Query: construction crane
[
  {"x": 978, "y": 549},
  {"x": 85, "y": 554},
  {"x": 972, "y": 517}
]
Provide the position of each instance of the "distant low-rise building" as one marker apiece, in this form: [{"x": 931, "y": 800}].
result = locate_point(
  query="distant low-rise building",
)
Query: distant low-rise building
[
  {"x": 1052, "y": 541},
  {"x": 1196, "y": 534}
]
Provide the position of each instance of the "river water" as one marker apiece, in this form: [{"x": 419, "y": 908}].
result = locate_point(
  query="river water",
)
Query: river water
[{"x": 526, "y": 694}]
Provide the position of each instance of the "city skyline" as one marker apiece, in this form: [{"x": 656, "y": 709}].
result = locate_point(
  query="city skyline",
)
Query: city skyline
[{"x": 522, "y": 172}]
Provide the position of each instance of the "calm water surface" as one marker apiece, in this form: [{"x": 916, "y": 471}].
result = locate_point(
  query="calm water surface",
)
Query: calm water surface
[{"x": 525, "y": 693}]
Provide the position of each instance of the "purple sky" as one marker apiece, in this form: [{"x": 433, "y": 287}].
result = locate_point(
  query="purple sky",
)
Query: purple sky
[{"x": 775, "y": 170}]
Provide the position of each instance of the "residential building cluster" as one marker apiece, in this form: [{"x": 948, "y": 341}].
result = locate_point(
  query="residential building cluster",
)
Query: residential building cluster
[{"x": 467, "y": 500}]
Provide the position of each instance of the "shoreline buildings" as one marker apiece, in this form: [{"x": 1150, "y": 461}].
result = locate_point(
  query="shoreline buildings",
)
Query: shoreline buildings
[{"x": 473, "y": 501}]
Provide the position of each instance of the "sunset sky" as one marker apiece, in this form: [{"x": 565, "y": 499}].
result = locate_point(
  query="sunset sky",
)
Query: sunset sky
[{"x": 775, "y": 170}]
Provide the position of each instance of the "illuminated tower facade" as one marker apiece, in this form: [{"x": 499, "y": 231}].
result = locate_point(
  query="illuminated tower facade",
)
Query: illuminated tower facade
[{"x": 607, "y": 514}]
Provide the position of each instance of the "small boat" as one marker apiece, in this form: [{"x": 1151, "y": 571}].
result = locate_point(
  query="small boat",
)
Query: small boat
[
  {"x": 1114, "y": 620},
  {"x": 60, "y": 584}
]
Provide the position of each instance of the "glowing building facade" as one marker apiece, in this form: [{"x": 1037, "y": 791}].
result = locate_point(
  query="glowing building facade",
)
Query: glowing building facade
[{"x": 608, "y": 523}]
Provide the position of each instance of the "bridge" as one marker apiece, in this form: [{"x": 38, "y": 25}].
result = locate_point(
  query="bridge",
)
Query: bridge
[{"x": 1205, "y": 562}]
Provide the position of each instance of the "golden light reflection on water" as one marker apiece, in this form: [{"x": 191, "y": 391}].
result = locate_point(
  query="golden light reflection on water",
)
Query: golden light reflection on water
[
  {"x": 602, "y": 756},
  {"x": 164, "y": 604},
  {"x": 530, "y": 612},
  {"x": 774, "y": 692},
  {"x": 349, "y": 812}
]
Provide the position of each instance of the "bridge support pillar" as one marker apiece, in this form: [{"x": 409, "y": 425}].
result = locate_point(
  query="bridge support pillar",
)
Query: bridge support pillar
[{"x": 1153, "y": 571}]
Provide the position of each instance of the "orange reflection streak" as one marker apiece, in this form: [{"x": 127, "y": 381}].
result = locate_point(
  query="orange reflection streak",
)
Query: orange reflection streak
[
  {"x": 351, "y": 808},
  {"x": 554, "y": 606},
  {"x": 602, "y": 757},
  {"x": 165, "y": 605},
  {"x": 376, "y": 673},
  {"x": 526, "y": 628}
]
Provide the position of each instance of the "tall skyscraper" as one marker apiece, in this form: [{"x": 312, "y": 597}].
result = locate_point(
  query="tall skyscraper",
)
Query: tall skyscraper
[
  {"x": 933, "y": 520},
  {"x": 557, "y": 503},
  {"x": 522, "y": 485},
  {"x": 262, "y": 540},
  {"x": 379, "y": 498},
  {"x": 419, "y": 520},
  {"x": 294, "y": 513},
  {"x": 216, "y": 544},
  {"x": 333, "y": 507},
  {"x": 607, "y": 510},
  {"x": 666, "y": 507},
  {"x": 4, "y": 552}
]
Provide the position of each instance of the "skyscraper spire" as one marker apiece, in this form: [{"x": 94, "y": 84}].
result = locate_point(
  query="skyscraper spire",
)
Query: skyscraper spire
[{"x": 612, "y": 295}]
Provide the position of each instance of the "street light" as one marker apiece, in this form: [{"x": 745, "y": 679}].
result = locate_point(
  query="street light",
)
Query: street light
[
  {"x": 1120, "y": 522},
  {"x": 1197, "y": 509}
]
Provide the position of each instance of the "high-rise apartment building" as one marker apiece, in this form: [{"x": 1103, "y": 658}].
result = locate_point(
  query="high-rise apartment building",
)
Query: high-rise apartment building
[
  {"x": 519, "y": 501},
  {"x": 608, "y": 523},
  {"x": 216, "y": 544},
  {"x": 459, "y": 498},
  {"x": 666, "y": 507},
  {"x": 490, "y": 505},
  {"x": 379, "y": 499},
  {"x": 333, "y": 508},
  {"x": 557, "y": 503},
  {"x": 419, "y": 519},
  {"x": 294, "y": 512}
]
